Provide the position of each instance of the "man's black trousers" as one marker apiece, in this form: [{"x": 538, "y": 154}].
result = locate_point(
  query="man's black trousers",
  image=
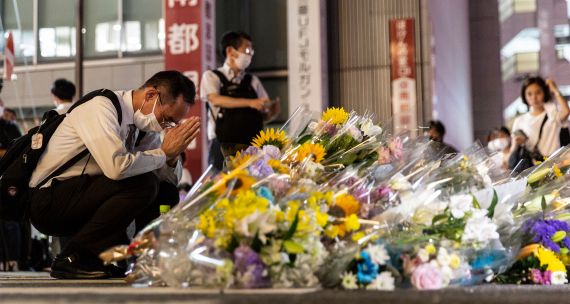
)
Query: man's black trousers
[{"x": 95, "y": 210}]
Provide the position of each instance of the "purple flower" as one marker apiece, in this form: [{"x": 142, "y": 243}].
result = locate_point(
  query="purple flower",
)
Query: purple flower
[
  {"x": 260, "y": 169},
  {"x": 251, "y": 150},
  {"x": 543, "y": 230},
  {"x": 272, "y": 151},
  {"x": 250, "y": 268}
]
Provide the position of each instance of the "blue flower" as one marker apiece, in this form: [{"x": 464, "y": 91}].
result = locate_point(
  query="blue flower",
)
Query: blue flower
[
  {"x": 266, "y": 193},
  {"x": 367, "y": 270}
]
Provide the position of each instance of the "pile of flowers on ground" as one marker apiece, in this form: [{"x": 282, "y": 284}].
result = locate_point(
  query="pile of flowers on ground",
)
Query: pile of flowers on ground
[{"x": 341, "y": 203}]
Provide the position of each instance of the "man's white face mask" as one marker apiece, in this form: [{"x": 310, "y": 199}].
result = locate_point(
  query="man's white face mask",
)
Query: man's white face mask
[
  {"x": 242, "y": 61},
  {"x": 147, "y": 122}
]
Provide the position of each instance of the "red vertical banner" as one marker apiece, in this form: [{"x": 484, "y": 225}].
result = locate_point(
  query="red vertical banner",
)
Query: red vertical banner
[
  {"x": 9, "y": 57},
  {"x": 403, "y": 74},
  {"x": 190, "y": 49}
]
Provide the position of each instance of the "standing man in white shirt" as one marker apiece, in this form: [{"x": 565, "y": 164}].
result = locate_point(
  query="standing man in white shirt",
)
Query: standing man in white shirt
[
  {"x": 62, "y": 91},
  {"x": 117, "y": 182},
  {"x": 238, "y": 104}
]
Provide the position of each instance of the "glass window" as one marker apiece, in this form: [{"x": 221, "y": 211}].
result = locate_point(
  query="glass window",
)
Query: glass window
[
  {"x": 103, "y": 31},
  {"x": 23, "y": 33},
  {"x": 270, "y": 45},
  {"x": 143, "y": 26},
  {"x": 56, "y": 31}
]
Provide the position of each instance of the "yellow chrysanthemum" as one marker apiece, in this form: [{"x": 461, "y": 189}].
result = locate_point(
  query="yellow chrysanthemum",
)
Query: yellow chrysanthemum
[
  {"x": 549, "y": 258},
  {"x": 335, "y": 116},
  {"x": 357, "y": 236},
  {"x": 273, "y": 137},
  {"x": 332, "y": 231},
  {"x": 431, "y": 249},
  {"x": 242, "y": 182},
  {"x": 352, "y": 223},
  {"x": 557, "y": 171},
  {"x": 348, "y": 204},
  {"x": 454, "y": 261},
  {"x": 315, "y": 151},
  {"x": 239, "y": 159}
]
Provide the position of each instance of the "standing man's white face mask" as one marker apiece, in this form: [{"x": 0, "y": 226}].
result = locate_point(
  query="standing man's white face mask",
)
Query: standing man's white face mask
[{"x": 241, "y": 57}]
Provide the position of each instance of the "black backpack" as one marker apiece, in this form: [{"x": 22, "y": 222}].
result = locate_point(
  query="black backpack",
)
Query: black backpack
[
  {"x": 237, "y": 125},
  {"x": 21, "y": 159}
]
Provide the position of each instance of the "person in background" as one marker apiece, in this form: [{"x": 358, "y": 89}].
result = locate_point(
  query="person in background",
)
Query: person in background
[
  {"x": 537, "y": 132},
  {"x": 238, "y": 104},
  {"x": 436, "y": 133},
  {"x": 63, "y": 92},
  {"x": 499, "y": 141},
  {"x": 8, "y": 129}
]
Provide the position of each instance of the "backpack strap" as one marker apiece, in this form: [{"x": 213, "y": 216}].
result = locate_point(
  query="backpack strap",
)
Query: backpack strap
[
  {"x": 222, "y": 77},
  {"x": 225, "y": 82},
  {"x": 102, "y": 92},
  {"x": 540, "y": 131}
]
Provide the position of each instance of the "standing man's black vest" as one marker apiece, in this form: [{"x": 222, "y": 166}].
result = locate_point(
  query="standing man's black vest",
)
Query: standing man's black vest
[{"x": 237, "y": 125}]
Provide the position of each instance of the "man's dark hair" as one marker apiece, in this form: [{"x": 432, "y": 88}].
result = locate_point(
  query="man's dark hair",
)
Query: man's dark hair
[
  {"x": 63, "y": 89},
  {"x": 438, "y": 126},
  {"x": 174, "y": 84},
  {"x": 1, "y": 84},
  {"x": 234, "y": 40}
]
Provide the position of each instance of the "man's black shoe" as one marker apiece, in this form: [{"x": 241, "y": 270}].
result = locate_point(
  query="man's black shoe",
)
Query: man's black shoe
[
  {"x": 116, "y": 272},
  {"x": 71, "y": 267}
]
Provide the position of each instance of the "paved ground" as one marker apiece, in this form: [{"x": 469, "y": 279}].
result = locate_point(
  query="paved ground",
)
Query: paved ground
[{"x": 39, "y": 288}]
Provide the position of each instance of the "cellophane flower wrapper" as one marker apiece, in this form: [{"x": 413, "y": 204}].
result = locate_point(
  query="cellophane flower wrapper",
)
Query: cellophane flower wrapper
[
  {"x": 541, "y": 227},
  {"x": 347, "y": 138},
  {"x": 552, "y": 168}
]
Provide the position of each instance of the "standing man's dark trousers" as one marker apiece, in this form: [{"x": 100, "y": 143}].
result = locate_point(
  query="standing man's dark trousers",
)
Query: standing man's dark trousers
[
  {"x": 95, "y": 212},
  {"x": 215, "y": 156}
]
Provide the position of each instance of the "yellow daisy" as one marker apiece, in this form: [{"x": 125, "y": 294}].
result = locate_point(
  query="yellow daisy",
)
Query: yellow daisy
[
  {"x": 335, "y": 116},
  {"x": 278, "y": 166},
  {"x": 315, "y": 151},
  {"x": 272, "y": 137},
  {"x": 242, "y": 182}
]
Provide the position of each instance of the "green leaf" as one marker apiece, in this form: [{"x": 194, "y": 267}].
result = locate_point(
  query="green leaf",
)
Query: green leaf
[
  {"x": 304, "y": 139},
  {"x": 292, "y": 247},
  {"x": 293, "y": 227},
  {"x": 438, "y": 218},
  {"x": 543, "y": 203},
  {"x": 476, "y": 204},
  {"x": 494, "y": 202}
]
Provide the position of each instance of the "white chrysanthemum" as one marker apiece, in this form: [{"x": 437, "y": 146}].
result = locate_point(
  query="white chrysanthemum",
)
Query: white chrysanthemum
[
  {"x": 443, "y": 258},
  {"x": 378, "y": 254},
  {"x": 460, "y": 204},
  {"x": 480, "y": 229},
  {"x": 384, "y": 281},
  {"x": 348, "y": 281},
  {"x": 558, "y": 278},
  {"x": 423, "y": 255}
]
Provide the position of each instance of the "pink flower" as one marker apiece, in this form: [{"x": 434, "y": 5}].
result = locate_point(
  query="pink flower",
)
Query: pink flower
[
  {"x": 536, "y": 276},
  {"x": 396, "y": 147},
  {"x": 427, "y": 276},
  {"x": 384, "y": 155}
]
